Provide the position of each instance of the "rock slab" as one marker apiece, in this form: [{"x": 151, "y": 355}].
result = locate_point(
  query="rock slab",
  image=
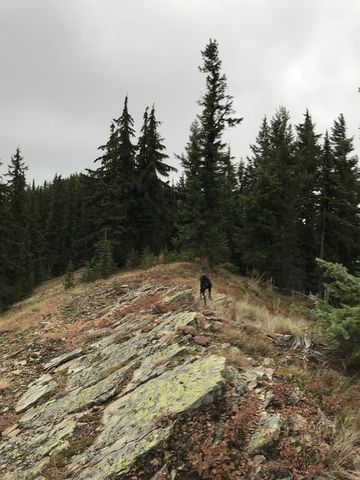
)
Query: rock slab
[
  {"x": 130, "y": 423},
  {"x": 36, "y": 391}
]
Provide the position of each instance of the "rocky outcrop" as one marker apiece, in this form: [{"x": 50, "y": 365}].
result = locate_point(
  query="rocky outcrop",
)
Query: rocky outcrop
[
  {"x": 145, "y": 392},
  {"x": 37, "y": 390},
  {"x": 132, "y": 380},
  {"x": 130, "y": 428}
]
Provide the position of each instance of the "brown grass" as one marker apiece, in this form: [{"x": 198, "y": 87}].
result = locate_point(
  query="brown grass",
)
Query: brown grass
[
  {"x": 80, "y": 332},
  {"x": 238, "y": 360},
  {"x": 144, "y": 304},
  {"x": 168, "y": 336},
  {"x": 5, "y": 384},
  {"x": 249, "y": 339},
  {"x": 19, "y": 322},
  {"x": 345, "y": 452},
  {"x": 295, "y": 326},
  {"x": 161, "y": 361},
  {"x": 7, "y": 419}
]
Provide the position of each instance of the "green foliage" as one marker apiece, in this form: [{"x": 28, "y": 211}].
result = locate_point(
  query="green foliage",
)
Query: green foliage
[
  {"x": 154, "y": 199},
  {"x": 203, "y": 211},
  {"x": 148, "y": 259},
  {"x": 69, "y": 280},
  {"x": 271, "y": 209},
  {"x": 340, "y": 318},
  {"x": 102, "y": 264},
  {"x": 133, "y": 259}
]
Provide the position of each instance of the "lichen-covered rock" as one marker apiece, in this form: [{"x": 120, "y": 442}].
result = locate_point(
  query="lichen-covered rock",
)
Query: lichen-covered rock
[
  {"x": 37, "y": 390},
  {"x": 27, "y": 454},
  {"x": 184, "y": 295},
  {"x": 151, "y": 371},
  {"x": 155, "y": 365},
  {"x": 130, "y": 423},
  {"x": 55, "y": 362},
  {"x": 74, "y": 401},
  {"x": 267, "y": 433}
]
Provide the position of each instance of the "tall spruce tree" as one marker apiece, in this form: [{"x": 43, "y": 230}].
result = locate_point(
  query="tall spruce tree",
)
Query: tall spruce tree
[
  {"x": 152, "y": 207},
  {"x": 5, "y": 287},
  {"x": 116, "y": 183},
  {"x": 270, "y": 239},
  {"x": 21, "y": 274},
  {"x": 307, "y": 155},
  {"x": 191, "y": 201},
  {"x": 217, "y": 114},
  {"x": 340, "y": 199},
  {"x": 211, "y": 161}
]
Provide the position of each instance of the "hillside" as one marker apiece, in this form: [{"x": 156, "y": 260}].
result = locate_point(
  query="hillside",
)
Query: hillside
[{"x": 134, "y": 378}]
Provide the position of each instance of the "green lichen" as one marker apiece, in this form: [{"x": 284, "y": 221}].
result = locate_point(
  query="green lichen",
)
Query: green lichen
[
  {"x": 267, "y": 433},
  {"x": 131, "y": 420}
]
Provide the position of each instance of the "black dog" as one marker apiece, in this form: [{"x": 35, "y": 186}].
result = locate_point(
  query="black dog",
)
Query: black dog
[{"x": 205, "y": 284}]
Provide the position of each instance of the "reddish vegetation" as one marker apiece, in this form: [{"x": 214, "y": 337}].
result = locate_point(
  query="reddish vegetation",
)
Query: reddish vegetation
[
  {"x": 79, "y": 332},
  {"x": 7, "y": 419}
]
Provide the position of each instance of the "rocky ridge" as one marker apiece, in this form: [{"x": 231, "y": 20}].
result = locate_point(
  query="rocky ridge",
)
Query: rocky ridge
[{"x": 150, "y": 396}]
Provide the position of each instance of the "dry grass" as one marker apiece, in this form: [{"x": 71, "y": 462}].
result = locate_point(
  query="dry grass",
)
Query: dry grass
[
  {"x": 272, "y": 322},
  {"x": 5, "y": 384},
  {"x": 294, "y": 373},
  {"x": 246, "y": 311},
  {"x": 23, "y": 319},
  {"x": 345, "y": 452},
  {"x": 249, "y": 339},
  {"x": 168, "y": 337},
  {"x": 162, "y": 361},
  {"x": 78, "y": 333},
  {"x": 295, "y": 326},
  {"x": 238, "y": 360}
]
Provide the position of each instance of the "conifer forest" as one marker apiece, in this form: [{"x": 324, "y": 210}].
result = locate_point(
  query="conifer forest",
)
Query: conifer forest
[{"x": 295, "y": 198}]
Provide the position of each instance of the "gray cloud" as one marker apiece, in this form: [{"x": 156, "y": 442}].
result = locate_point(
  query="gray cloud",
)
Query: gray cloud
[{"x": 67, "y": 66}]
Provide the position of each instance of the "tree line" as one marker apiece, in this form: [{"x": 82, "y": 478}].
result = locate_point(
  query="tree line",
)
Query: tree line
[{"x": 295, "y": 198}]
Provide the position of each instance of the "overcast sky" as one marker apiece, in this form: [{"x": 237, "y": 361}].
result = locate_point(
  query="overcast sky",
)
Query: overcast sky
[{"x": 66, "y": 66}]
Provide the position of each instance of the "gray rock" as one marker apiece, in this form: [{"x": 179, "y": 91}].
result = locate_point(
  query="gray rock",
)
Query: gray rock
[
  {"x": 154, "y": 365},
  {"x": 266, "y": 434},
  {"x": 185, "y": 295},
  {"x": 130, "y": 423},
  {"x": 28, "y": 454},
  {"x": 55, "y": 362},
  {"x": 74, "y": 401},
  {"x": 36, "y": 391}
]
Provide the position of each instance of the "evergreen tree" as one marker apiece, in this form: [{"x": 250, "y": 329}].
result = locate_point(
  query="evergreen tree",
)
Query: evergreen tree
[
  {"x": 69, "y": 281},
  {"x": 56, "y": 252},
  {"x": 37, "y": 216},
  {"x": 102, "y": 264},
  {"x": 153, "y": 214},
  {"x": 340, "y": 317},
  {"x": 207, "y": 167},
  {"x": 269, "y": 239},
  {"x": 5, "y": 287},
  {"x": 339, "y": 215},
  {"x": 231, "y": 217},
  {"x": 191, "y": 201},
  {"x": 327, "y": 189},
  {"x": 217, "y": 114},
  {"x": 115, "y": 182},
  {"x": 308, "y": 161},
  {"x": 345, "y": 208},
  {"x": 21, "y": 274}
]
